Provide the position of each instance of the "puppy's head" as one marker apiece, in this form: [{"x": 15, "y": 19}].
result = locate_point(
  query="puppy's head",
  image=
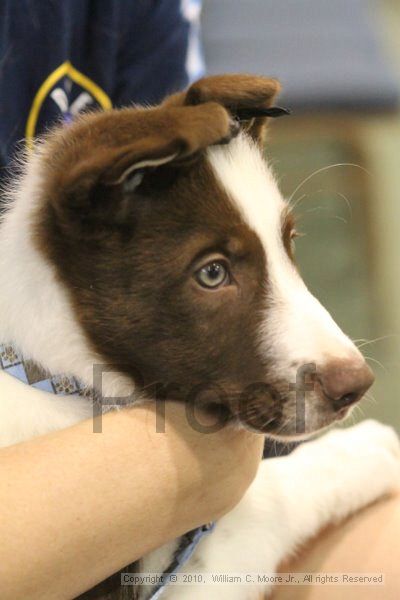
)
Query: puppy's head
[{"x": 168, "y": 231}]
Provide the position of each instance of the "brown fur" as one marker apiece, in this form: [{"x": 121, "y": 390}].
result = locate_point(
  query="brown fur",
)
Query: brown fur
[
  {"x": 234, "y": 92},
  {"x": 116, "y": 251},
  {"x": 128, "y": 257}
]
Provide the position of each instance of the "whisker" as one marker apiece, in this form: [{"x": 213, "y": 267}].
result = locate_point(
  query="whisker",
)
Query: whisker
[
  {"x": 353, "y": 417},
  {"x": 360, "y": 409},
  {"x": 370, "y": 399},
  {"x": 378, "y": 339},
  {"x": 321, "y": 170},
  {"x": 267, "y": 422},
  {"x": 347, "y": 201},
  {"x": 316, "y": 209},
  {"x": 345, "y": 198},
  {"x": 342, "y": 219},
  {"x": 275, "y": 448},
  {"x": 374, "y": 360},
  {"x": 293, "y": 206}
]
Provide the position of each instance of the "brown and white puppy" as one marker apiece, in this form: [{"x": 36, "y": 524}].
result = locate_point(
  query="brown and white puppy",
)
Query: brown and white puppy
[{"x": 155, "y": 242}]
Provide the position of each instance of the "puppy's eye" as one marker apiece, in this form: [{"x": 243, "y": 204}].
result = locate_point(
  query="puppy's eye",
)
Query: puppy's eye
[
  {"x": 213, "y": 275},
  {"x": 293, "y": 235}
]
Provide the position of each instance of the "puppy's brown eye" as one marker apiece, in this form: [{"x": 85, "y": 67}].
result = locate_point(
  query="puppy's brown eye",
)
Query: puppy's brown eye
[{"x": 213, "y": 275}]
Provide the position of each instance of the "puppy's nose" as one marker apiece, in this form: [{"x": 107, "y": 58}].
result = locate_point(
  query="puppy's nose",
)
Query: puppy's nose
[{"x": 344, "y": 382}]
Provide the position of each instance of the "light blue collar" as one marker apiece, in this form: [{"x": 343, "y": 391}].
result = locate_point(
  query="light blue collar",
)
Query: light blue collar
[
  {"x": 13, "y": 363},
  {"x": 188, "y": 544}
]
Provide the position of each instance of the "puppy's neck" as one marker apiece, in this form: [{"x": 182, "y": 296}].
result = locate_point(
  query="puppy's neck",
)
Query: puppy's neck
[{"x": 35, "y": 312}]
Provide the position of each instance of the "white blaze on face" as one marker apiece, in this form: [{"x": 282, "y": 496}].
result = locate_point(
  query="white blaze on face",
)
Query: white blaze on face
[{"x": 296, "y": 328}]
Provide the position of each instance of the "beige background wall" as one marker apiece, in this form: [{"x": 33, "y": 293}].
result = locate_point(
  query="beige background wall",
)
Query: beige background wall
[{"x": 350, "y": 256}]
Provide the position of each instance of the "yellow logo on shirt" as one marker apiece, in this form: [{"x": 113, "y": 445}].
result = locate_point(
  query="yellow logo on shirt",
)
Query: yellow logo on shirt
[{"x": 91, "y": 92}]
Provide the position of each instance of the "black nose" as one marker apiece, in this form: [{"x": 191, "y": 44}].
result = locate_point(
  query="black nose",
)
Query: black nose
[{"x": 344, "y": 382}]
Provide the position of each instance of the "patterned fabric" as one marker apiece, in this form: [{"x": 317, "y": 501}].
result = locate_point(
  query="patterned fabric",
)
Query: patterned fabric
[{"x": 12, "y": 362}]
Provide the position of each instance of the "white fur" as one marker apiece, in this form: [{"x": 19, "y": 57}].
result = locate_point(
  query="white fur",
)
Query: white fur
[
  {"x": 291, "y": 498},
  {"x": 27, "y": 412},
  {"x": 37, "y": 317},
  {"x": 298, "y": 329}
]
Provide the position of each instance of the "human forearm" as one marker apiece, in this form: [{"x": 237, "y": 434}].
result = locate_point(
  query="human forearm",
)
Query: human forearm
[{"x": 78, "y": 506}]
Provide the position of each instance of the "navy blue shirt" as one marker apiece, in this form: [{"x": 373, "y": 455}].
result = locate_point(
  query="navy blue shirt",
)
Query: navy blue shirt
[{"x": 58, "y": 57}]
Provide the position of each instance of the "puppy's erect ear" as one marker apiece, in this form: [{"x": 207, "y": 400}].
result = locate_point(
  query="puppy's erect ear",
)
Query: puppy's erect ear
[{"x": 248, "y": 98}]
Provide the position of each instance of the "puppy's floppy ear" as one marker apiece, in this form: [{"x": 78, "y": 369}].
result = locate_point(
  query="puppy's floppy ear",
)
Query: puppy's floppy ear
[
  {"x": 112, "y": 166},
  {"x": 90, "y": 160},
  {"x": 248, "y": 98}
]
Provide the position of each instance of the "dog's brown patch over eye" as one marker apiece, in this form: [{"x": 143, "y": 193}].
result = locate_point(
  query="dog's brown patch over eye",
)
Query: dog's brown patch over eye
[{"x": 137, "y": 285}]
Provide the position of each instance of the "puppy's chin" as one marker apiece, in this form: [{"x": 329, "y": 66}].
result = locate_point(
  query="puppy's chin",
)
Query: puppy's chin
[{"x": 288, "y": 431}]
